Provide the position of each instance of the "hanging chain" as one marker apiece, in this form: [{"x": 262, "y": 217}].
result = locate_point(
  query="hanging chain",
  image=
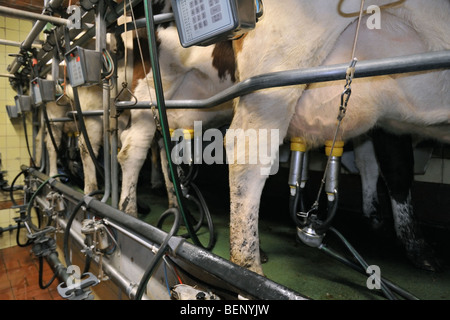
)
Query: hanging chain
[
  {"x": 152, "y": 106},
  {"x": 345, "y": 97}
]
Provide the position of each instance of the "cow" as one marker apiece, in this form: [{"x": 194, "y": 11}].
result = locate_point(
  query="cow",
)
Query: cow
[
  {"x": 187, "y": 73},
  {"x": 192, "y": 73},
  {"x": 390, "y": 156},
  {"x": 298, "y": 33}
]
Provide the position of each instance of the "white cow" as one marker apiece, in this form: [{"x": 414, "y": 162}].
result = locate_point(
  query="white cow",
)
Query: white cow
[
  {"x": 187, "y": 73},
  {"x": 299, "y": 33}
]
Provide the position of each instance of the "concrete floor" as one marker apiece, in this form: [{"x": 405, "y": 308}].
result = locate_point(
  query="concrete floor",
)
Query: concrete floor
[{"x": 311, "y": 271}]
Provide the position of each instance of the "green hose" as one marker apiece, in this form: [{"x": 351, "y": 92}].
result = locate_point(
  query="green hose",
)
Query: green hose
[{"x": 163, "y": 116}]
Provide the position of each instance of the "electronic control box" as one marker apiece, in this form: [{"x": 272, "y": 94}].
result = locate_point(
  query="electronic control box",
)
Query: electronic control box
[
  {"x": 205, "y": 22},
  {"x": 23, "y": 103},
  {"x": 83, "y": 66},
  {"x": 12, "y": 112},
  {"x": 42, "y": 91}
]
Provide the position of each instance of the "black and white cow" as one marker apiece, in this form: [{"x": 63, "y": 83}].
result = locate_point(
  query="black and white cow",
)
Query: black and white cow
[
  {"x": 295, "y": 34},
  {"x": 187, "y": 73}
]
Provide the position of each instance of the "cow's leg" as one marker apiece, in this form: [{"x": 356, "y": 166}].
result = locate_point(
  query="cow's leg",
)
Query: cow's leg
[
  {"x": 396, "y": 160},
  {"x": 94, "y": 128},
  {"x": 367, "y": 165},
  {"x": 136, "y": 142},
  {"x": 248, "y": 172},
  {"x": 246, "y": 184},
  {"x": 157, "y": 178},
  {"x": 171, "y": 196},
  {"x": 52, "y": 153}
]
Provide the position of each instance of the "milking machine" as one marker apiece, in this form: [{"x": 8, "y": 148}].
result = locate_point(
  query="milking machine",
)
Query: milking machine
[
  {"x": 311, "y": 227},
  {"x": 189, "y": 148},
  {"x": 125, "y": 254}
]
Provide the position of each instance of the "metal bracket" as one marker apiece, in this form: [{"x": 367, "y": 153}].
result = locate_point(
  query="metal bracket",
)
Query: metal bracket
[
  {"x": 175, "y": 243},
  {"x": 44, "y": 246},
  {"x": 76, "y": 290}
]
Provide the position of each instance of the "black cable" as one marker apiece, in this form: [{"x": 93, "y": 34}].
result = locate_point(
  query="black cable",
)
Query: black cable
[
  {"x": 12, "y": 187},
  {"x": 30, "y": 203},
  {"x": 197, "y": 227},
  {"x": 50, "y": 131},
  {"x": 199, "y": 200},
  {"x": 207, "y": 214},
  {"x": 322, "y": 226},
  {"x": 82, "y": 126},
  {"x": 405, "y": 294},
  {"x": 18, "y": 236},
  {"x": 41, "y": 267},
  {"x": 26, "y": 139},
  {"x": 387, "y": 292},
  {"x": 159, "y": 255},
  {"x": 293, "y": 205}
]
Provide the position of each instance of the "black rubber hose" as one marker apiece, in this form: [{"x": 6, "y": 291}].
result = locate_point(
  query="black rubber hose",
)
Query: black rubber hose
[
  {"x": 30, "y": 203},
  {"x": 41, "y": 267},
  {"x": 207, "y": 214},
  {"x": 11, "y": 195},
  {"x": 26, "y": 140},
  {"x": 85, "y": 134},
  {"x": 50, "y": 131},
  {"x": 405, "y": 294},
  {"x": 322, "y": 226},
  {"x": 159, "y": 255},
  {"x": 387, "y": 292},
  {"x": 293, "y": 206},
  {"x": 18, "y": 236},
  {"x": 204, "y": 212},
  {"x": 201, "y": 211}
]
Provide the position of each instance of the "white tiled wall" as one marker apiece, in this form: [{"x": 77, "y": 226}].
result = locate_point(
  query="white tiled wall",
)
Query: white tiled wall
[{"x": 13, "y": 147}]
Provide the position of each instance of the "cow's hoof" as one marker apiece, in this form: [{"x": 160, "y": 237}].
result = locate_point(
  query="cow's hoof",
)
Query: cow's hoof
[
  {"x": 159, "y": 192},
  {"x": 425, "y": 261},
  {"x": 428, "y": 264},
  {"x": 263, "y": 256},
  {"x": 143, "y": 208},
  {"x": 376, "y": 223}
]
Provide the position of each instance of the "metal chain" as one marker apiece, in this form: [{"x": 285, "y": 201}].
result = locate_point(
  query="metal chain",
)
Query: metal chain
[
  {"x": 345, "y": 97},
  {"x": 155, "y": 117},
  {"x": 152, "y": 106}
]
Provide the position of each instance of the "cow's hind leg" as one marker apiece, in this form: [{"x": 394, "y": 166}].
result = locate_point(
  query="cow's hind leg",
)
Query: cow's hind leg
[
  {"x": 396, "y": 160},
  {"x": 367, "y": 165},
  {"x": 136, "y": 142},
  {"x": 252, "y": 144},
  {"x": 246, "y": 184},
  {"x": 94, "y": 131}
]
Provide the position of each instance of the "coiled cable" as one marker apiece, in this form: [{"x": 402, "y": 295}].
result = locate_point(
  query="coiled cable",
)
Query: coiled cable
[{"x": 160, "y": 254}]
